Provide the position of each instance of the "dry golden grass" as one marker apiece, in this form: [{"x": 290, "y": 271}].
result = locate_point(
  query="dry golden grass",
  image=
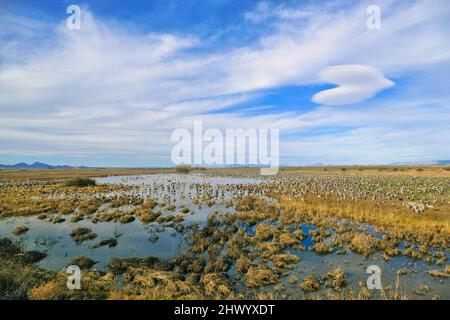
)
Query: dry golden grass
[
  {"x": 440, "y": 274},
  {"x": 336, "y": 279},
  {"x": 284, "y": 261},
  {"x": 261, "y": 275},
  {"x": 56, "y": 174},
  {"x": 216, "y": 285},
  {"x": 416, "y": 170},
  {"x": 94, "y": 285},
  {"x": 20, "y": 230},
  {"x": 389, "y": 215},
  {"x": 363, "y": 244},
  {"x": 310, "y": 284},
  {"x": 50, "y": 174},
  {"x": 322, "y": 248},
  {"x": 324, "y": 197}
]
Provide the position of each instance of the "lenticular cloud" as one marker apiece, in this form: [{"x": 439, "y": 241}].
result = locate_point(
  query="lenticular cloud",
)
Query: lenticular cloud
[{"x": 355, "y": 83}]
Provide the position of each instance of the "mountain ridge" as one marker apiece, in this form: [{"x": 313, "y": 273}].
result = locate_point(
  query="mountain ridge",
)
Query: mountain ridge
[{"x": 38, "y": 165}]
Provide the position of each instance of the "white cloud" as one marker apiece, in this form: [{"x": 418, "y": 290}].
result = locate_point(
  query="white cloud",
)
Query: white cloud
[
  {"x": 355, "y": 83},
  {"x": 261, "y": 12},
  {"x": 106, "y": 90}
]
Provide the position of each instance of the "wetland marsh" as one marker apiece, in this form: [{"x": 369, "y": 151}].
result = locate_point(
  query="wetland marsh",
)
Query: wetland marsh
[{"x": 306, "y": 233}]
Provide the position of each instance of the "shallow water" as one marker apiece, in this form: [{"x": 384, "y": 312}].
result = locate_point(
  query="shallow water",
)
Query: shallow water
[
  {"x": 355, "y": 268},
  {"x": 55, "y": 240},
  {"x": 132, "y": 238},
  {"x": 180, "y": 190},
  {"x": 165, "y": 179}
]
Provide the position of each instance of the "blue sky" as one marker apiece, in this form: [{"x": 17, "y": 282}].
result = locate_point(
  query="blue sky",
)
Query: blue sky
[{"x": 111, "y": 93}]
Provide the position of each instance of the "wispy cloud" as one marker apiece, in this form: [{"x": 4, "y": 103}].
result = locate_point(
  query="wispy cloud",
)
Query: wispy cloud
[{"x": 109, "y": 90}]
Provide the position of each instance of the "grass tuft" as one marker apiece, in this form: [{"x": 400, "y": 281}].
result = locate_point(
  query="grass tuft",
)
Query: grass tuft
[{"x": 80, "y": 182}]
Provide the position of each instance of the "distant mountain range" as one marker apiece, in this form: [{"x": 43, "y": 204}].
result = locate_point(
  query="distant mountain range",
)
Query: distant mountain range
[
  {"x": 441, "y": 162},
  {"x": 38, "y": 165}
]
